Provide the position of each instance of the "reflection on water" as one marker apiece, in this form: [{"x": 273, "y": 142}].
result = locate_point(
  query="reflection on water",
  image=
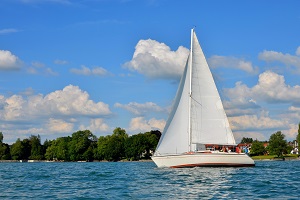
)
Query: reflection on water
[{"x": 198, "y": 182}]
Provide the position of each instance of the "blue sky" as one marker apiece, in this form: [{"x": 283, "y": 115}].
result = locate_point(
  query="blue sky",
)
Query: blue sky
[{"x": 99, "y": 64}]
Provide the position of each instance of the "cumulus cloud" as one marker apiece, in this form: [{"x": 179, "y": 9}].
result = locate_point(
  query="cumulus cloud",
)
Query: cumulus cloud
[
  {"x": 8, "y": 61},
  {"x": 59, "y": 126},
  {"x": 238, "y": 135},
  {"x": 98, "y": 71},
  {"x": 157, "y": 60},
  {"x": 139, "y": 109},
  {"x": 294, "y": 109},
  {"x": 232, "y": 62},
  {"x": 240, "y": 106},
  {"x": 271, "y": 88},
  {"x": 95, "y": 126},
  {"x": 71, "y": 101},
  {"x": 254, "y": 122},
  {"x": 248, "y": 108},
  {"x": 142, "y": 125},
  {"x": 58, "y": 113},
  {"x": 286, "y": 59}
]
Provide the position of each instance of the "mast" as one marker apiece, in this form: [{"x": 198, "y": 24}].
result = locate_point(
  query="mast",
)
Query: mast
[{"x": 190, "y": 92}]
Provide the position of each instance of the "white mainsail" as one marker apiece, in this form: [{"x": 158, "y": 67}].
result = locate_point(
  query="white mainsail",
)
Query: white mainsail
[{"x": 198, "y": 116}]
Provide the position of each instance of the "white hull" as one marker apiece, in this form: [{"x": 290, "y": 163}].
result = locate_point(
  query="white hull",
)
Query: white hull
[{"x": 204, "y": 159}]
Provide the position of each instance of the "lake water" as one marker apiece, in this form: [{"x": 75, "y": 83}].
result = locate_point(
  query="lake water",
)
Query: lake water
[{"x": 142, "y": 180}]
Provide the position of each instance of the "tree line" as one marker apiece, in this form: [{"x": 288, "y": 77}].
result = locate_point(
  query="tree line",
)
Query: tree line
[
  {"x": 83, "y": 146},
  {"x": 277, "y": 145}
]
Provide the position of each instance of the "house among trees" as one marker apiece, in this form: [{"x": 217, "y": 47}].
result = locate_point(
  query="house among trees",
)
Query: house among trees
[{"x": 295, "y": 147}]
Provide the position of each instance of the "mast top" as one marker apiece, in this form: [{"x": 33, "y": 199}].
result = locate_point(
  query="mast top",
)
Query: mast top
[{"x": 193, "y": 29}]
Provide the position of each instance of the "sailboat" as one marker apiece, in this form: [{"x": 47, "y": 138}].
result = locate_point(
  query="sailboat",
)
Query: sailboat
[{"x": 197, "y": 132}]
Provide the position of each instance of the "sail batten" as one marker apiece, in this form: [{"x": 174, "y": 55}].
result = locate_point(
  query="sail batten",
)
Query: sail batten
[{"x": 198, "y": 116}]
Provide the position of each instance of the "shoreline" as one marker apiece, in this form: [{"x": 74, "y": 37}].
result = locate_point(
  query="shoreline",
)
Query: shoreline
[
  {"x": 148, "y": 160},
  {"x": 51, "y": 161}
]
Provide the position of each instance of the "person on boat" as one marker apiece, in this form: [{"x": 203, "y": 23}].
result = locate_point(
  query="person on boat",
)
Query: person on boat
[
  {"x": 223, "y": 149},
  {"x": 246, "y": 150}
]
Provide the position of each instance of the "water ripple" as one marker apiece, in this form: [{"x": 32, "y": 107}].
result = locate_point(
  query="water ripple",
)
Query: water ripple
[{"x": 142, "y": 180}]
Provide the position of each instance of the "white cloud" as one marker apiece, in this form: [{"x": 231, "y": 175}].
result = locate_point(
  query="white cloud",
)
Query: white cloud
[
  {"x": 156, "y": 60},
  {"x": 240, "y": 106},
  {"x": 271, "y": 87},
  {"x": 37, "y": 64},
  {"x": 53, "y": 115},
  {"x": 60, "y": 62},
  {"x": 8, "y": 30},
  {"x": 254, "y": 122},
  {"x": 95, "y": 126},
  {"x": 142, "y": 125},
  {"x": 139, "y": 109},
  {"x": 49, "y": 71},
  {"x": 8, "y": 61},
  {"x": 298, "y": 51},
  {"x": 287, "y": 59},
  {"x": 59, "y": 126},
  {"x": 294, "y": 108},
  {"x": 40, "y": 68},
  {"x": 71, "y": 101},
  {"x": 13, "y": 108},
  {"x": 31, "y": 70},
  {"x": 238, "y": 135},
  {"x": 27, "y": 92},
  {"x": 2, "y": 101},
  {"x": 64, "y": 2},
  {"x": 292, "y": 131},
  {"x": 248, "y": 108},
  {"x": 98, "y": 71},
  {"x": 232, "y": 62}
]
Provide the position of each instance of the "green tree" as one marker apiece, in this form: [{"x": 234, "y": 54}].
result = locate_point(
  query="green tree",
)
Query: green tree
[
  {"x": 246, "y": 140},
  {"x": 46, "y": 144},
  {"x": 135, "y": 146},
  {"x": 102, "y": 147},
  {"x": 81, "y": 142},
  {"x": 26, "y": 147},
  {"x": 36, "y": 152},
  {"x": 139, "y": 146},
  {"x": 257, "y": 148},
  {"x": 298, "y": 136},
  {"x": 59, "y": 149},
  {"x": 17, "y": 150},
  {"x": 112, "y": 148},
  {"x": 1, "y": 137},
  {"x": 277, "y": 144},
  {"x": 152, "y": 141},
  {"x": 4, "y": 149},
  {"x": 115, "y": 149}
]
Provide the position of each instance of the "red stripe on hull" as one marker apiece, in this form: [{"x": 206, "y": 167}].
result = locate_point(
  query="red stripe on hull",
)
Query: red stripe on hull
[{"x": 213, "y": 165}]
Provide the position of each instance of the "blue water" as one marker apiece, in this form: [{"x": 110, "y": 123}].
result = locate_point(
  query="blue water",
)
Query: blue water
[{"x": 142, "y": 180}]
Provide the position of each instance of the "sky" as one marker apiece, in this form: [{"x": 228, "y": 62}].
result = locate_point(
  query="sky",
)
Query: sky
[{"x": 100, "y": 64}]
